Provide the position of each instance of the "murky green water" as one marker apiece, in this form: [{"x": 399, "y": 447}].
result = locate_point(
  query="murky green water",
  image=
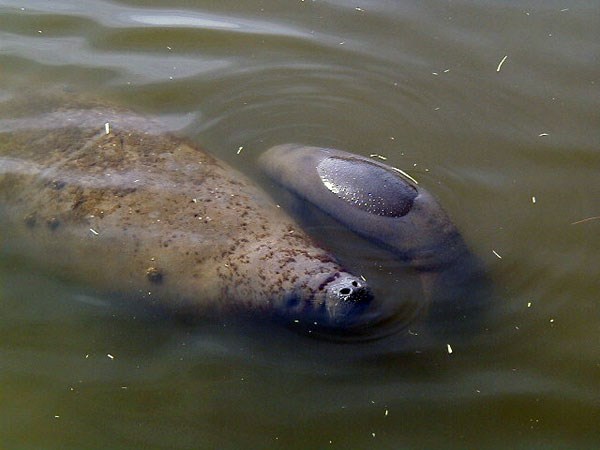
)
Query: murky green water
[{"x": 493, "y": 106}]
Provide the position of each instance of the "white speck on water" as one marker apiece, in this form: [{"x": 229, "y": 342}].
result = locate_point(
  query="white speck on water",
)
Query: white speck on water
[
  {"x": 449, "y": 349},
  {"x": 543, "y": 134},
  {"x": 533, "y": 199},
  {"x": 107, "y": 127},
  {"x": 386, "y": 413},
  {"x": 56, "y": 417},
  {"x": 373, "y": 434},
  {"x": 496, "y": 253},
  {"x": 94, "y": 232},
  {"x": 110, "y": 356},
  {"x": 240, "y": 150},
  {"x": 500, "y": 63},
  {"x": 359, "y": 9},
  {"x": 529, "y": 304}
]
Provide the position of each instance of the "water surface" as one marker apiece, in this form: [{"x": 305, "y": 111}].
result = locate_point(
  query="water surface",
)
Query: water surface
[{"x": 492, "y": 106}]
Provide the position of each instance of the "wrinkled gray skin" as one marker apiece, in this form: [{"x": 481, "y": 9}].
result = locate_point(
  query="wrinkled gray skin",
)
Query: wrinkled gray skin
[
  {"x": 152, "y": 217},
  {"x": 379, "y": 203}
]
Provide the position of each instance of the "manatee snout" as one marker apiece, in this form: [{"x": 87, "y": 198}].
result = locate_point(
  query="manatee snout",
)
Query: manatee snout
[
  {"x": 336, "y": 302},
  {"x": 347, "y": 299}
]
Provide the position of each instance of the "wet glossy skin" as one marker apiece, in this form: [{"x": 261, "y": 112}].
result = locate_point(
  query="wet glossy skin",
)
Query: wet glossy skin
[
  {"x": 371, "y": 199},
  {"x": 127, "y": 208}
]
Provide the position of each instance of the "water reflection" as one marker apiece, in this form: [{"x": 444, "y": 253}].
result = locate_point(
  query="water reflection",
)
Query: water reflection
[{"x": 414, "y": 81}]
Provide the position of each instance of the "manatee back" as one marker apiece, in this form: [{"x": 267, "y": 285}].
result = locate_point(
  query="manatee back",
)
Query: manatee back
[{"x": 372, "y": 199}]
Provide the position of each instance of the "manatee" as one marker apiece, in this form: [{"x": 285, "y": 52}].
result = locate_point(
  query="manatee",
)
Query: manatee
[
  {"x": 385, "y": 206},
  {"x": 110, "y": 199}
]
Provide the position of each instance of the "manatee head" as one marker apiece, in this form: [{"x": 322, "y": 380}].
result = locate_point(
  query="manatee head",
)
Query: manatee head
[{"x": 337, "y": 301}]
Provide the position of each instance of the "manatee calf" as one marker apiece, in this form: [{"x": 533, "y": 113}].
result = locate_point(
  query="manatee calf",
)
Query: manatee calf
[
  {"x": 382, "y": 204},
  {"x": 109, "y": 199}
]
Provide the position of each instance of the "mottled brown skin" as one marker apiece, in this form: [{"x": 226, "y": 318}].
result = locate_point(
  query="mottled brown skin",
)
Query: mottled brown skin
[{"x": 150, "y": 216}]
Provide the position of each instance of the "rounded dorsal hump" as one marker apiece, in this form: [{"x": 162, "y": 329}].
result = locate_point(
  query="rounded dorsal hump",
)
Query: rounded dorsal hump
[{"x": 367, "y": 185}]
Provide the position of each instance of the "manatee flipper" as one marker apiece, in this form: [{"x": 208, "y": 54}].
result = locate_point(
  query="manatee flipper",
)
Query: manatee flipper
[{"x": 381, "y": 204}]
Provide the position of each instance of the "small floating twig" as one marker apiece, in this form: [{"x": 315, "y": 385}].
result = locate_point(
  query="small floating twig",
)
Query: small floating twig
[
  {"x": 588, "y": 219},
  {"x": 402, "y": 172},
  {"x": 501, "y": 62}
]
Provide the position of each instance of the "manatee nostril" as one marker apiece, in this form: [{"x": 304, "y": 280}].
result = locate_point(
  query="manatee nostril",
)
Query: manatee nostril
[{"x": 345, "y": 291}]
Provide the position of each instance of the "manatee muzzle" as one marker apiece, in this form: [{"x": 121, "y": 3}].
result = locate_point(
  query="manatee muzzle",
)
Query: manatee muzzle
[{"x": 347, "y": 299}]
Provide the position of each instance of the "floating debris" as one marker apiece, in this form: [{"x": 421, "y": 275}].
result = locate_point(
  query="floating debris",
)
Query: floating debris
[
  {"x": 110, "y": 356},
  {"x": 377, "y": 155},
  {"x": 588, "y": 219},
  {"x": 449, "y": 349},
  {"x": 496, "y": 253},
  {"x": 501, "y": 62},
  {"x": 107, "y": 127},
  {"x": 94, "y": 232},
  {"x": 402, "y": 172},
  {"x": 240, "y": 149},
  {"x": 533, "y": 199},
  {"x": 543, "y": 134}
]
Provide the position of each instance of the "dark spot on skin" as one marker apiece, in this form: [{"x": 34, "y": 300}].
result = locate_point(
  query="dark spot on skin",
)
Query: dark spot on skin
[
  {"x": 154, "y": 275},
  {"x": 30, "y": 220},
  {"x": 57, "y": 184},
  {"x": 52, "y": 223},
  {"x": 328, "y": 280}
]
